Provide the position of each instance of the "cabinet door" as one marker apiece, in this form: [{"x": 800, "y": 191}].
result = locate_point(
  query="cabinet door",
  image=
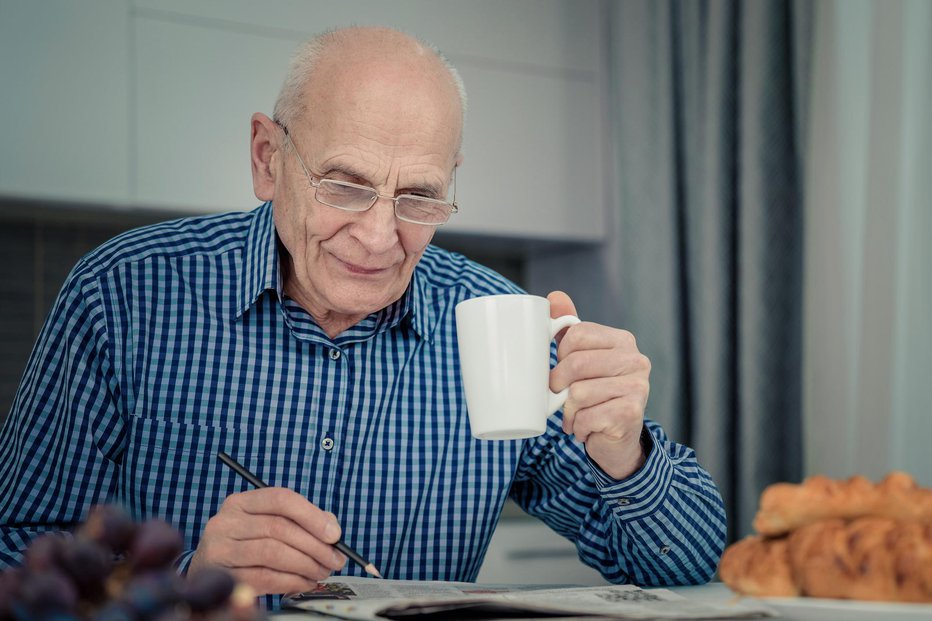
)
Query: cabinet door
[
  {"x": 197, "y": 86},
  {"x": 526, "y": 551},
  {"x": 533, "y": 146},
  {"x": 64, "y": 70},
  {"x": 533, "y": 165}
]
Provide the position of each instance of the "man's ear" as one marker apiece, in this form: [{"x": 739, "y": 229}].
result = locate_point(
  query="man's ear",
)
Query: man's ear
[{"x": 265, "y": 141}]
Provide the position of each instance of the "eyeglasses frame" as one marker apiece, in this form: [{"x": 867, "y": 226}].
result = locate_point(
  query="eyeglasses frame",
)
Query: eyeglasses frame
[{"x": 454, "y": 208}]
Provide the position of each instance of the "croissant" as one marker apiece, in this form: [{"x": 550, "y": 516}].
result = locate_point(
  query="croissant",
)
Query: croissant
[
  {"x": 785, "y": 507},
  {"x": 758, "y": 567},
  {"x": 870, "y": 558}
]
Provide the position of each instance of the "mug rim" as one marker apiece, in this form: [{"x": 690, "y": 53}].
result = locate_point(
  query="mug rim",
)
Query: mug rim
[{"x": 497, "y": 296}]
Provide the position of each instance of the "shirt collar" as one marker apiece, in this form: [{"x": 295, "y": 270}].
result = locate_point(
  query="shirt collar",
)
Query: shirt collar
[
  {"x": 261, "y": 273},
  {"x": 422, "y": 307},
  {"x": 260, "y": 261}
]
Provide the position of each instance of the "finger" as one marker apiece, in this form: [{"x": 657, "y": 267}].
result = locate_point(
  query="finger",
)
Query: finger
[
  {"x": 287, "y": 503},
  {"x": 583, "y": 394},
  {"x": 595, "y": 364},
  {"x": 271, "y": 554},
  {"x": 288, "y": 532},
  {"x": 561, "y": 304},
  {"x": 264, "y": 580},
  {"x": 591, "y": 392},
  {"x": 618, "y": 420},
  {"x": 588, "y": 335},
  {"x": 569, "y": 415}
]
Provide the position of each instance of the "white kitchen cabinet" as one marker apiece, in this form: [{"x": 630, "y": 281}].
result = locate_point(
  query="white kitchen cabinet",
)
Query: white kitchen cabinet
[
  {"x": 64, "y": 70},
  {"x": 528, "y": 35},
  {"x": 147, "y": 103},
  {"x": 526, "y": 551},
  {"x": 197, "y": 88}
]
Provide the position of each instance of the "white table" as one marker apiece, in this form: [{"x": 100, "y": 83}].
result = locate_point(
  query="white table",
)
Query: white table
[{"x": 806, "y": 609}]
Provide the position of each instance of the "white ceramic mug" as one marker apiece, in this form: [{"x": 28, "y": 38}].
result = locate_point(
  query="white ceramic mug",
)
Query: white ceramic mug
[{"x": 504, "y": 343}]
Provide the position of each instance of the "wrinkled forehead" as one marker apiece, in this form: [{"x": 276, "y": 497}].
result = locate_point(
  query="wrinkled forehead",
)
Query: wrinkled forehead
[
  {"x": 388, "y": 84},
  {"x": 382, "y": 50}
]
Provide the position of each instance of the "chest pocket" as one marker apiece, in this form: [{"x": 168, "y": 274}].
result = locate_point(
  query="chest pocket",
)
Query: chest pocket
[{"x": 171, "y": 470}]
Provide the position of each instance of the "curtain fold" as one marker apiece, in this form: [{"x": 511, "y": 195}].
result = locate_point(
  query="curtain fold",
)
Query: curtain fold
[
  {"x": 868, "y": 292},
  {"x": 708, "y": 106},
  {"x": 767, "y": 239}
]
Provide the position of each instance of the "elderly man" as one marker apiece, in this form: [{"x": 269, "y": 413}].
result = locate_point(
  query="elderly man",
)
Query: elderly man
[{"x": 313, "y": 339}]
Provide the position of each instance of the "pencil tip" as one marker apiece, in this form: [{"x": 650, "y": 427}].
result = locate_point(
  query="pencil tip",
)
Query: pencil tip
[{"x": 370, "y": 569}]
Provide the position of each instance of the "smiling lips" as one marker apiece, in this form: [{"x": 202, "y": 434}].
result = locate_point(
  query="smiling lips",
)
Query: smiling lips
[{"x": 360, "y": 270}]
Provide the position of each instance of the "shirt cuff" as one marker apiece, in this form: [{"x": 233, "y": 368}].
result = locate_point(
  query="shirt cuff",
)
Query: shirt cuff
[
  {"x": 641, "y": 493},
  {"x": 183, "y": 562}
]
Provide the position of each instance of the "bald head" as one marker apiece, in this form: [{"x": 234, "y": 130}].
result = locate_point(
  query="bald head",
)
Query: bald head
[{"x": 343, "y": 59}]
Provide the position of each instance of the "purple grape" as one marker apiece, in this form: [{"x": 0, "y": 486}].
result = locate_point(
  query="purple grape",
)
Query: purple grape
[
  {"x": 156, "y": 545},
  {"x": 45, "y": 552},
  {"x": 10, "y": 584},
  {"x": 58, "y": 615},
  {"x": 88, "y": 564},
  {"x": 66, "y": 578},
  {"x": 177, "y": 613},
  {"x": 47, "y": 591},
  {"x": 152, "y": 593},
  {"x": 208, "y": 589},
  {"x": 109, "y": 525},
  {"x": 116, "y": 611}
]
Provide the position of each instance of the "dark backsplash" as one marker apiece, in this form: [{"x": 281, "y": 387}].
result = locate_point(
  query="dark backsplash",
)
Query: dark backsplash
[{"x": 40, "y": 243}]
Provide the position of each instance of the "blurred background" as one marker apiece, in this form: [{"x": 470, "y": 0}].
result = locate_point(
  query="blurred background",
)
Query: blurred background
[{"x": 743, "y": 185}]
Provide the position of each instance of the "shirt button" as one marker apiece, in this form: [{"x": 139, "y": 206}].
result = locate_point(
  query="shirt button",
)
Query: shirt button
[
  {"x": 664, "y": 549},
  {"x": 327, "y": 444},
  {"x": 334, "y": 354},
  {"x": 624, "y": 501}
]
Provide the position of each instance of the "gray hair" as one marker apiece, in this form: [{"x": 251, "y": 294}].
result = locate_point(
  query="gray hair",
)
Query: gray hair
[{"x": 290, "y": 103}]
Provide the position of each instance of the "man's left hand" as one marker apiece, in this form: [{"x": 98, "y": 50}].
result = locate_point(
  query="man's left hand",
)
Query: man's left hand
[{"x": 608, "y": 381}]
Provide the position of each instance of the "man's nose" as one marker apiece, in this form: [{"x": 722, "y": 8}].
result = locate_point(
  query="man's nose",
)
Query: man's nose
[{"x": 377, "y": 228}]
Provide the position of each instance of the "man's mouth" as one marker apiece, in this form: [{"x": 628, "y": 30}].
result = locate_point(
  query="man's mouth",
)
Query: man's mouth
[{"x": 360, "y": 269}]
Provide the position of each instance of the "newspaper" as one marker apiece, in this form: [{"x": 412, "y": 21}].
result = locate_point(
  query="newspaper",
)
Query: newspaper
[{"x": 365, "y": 599}]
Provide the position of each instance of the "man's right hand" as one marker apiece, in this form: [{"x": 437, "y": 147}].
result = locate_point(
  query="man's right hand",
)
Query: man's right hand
[{"x": 271, "y": 539}]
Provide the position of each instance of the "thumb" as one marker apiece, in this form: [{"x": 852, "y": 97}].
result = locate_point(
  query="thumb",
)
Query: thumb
[{"x": 561, "y": 304}]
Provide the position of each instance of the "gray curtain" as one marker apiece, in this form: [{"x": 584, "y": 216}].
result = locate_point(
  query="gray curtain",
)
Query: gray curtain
[{"x": 703, "y": 256}]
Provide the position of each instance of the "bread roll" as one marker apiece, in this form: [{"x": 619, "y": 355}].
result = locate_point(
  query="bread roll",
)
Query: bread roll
[
  {"x": 785, "y": 507},
  {"x": 758, "y": 567},
  {"x": 870, "y": 558},
  {"x": 838, "y": 539}
]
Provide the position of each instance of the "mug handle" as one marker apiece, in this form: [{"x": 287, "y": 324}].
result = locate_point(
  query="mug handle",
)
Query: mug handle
[{"x": 556, "y": 400}]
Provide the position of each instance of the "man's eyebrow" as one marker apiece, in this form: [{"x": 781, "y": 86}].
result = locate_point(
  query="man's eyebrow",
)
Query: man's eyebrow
[
  {"x": 421, "y": 187},
  {"x": 427, "y": 188},
  {"x": 343, "y": 169}
]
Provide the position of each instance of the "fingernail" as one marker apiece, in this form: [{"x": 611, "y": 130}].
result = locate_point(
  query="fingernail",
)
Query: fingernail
[
  {"x": 332, "y": 531},
  {"x": 338, "y": 560}
]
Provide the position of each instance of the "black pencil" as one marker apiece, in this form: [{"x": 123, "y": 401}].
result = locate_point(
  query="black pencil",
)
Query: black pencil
[{"x": 339, "y": 545}]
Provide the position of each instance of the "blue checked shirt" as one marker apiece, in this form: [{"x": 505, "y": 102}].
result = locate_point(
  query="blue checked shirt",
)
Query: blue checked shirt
[{"x": 173, "y": 342}]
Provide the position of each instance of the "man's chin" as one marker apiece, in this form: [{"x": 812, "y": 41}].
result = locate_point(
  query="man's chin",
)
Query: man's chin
[{"x": 360, "y": 306}]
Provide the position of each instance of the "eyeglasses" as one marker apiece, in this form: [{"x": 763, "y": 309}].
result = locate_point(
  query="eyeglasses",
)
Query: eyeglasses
[{"x": 354, "y": 197}]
